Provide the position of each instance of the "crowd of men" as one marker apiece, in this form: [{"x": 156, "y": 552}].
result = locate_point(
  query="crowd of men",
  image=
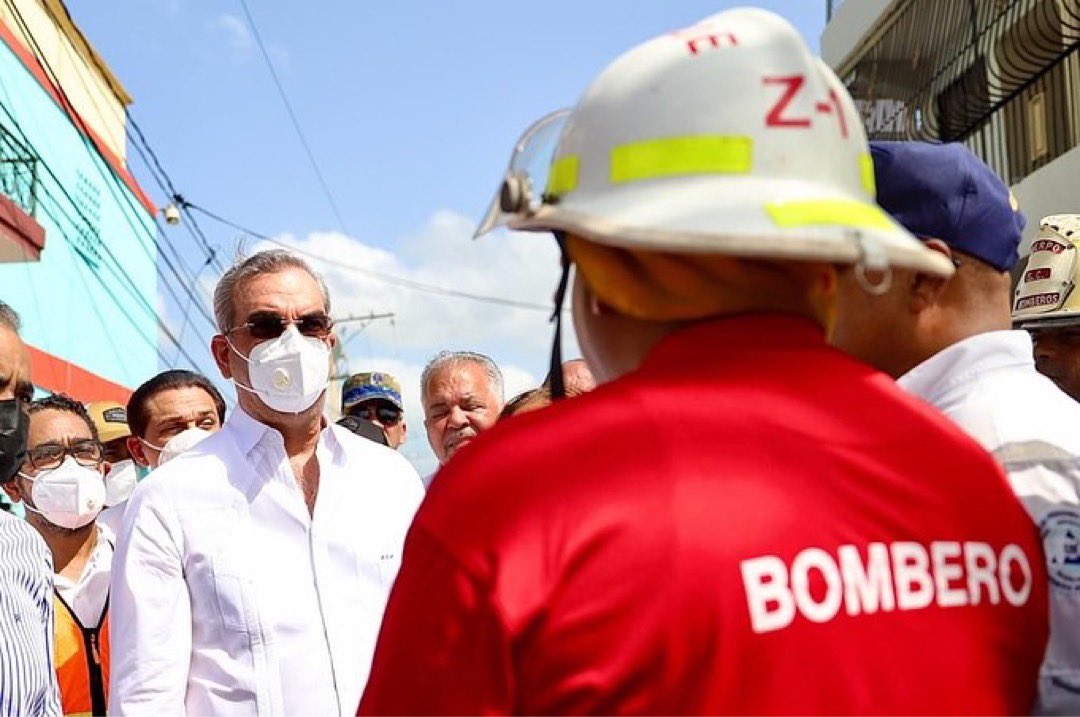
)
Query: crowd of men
[{"x": 833, "y": 464}]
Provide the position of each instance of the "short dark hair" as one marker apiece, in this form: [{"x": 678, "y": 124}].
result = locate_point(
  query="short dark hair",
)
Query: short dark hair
[
  {"x": 137, "y": 416},
  {"x": 65, "y": 403}
]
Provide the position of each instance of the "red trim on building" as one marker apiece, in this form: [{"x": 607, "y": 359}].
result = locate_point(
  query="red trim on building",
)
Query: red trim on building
[
  {"x": 27, "y": 237},
  {"x": 34, "y": 67},
  {"x": 59, "y": 376}
]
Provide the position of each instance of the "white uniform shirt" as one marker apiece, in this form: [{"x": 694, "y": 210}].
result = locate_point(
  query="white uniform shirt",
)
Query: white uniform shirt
[
  {"x": 86, "y": 597},
  {"x": 228, "y": 599},
  {"x": 988, "y": 385}
]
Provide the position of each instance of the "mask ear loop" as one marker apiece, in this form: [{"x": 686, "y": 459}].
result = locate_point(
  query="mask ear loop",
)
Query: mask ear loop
[{"x": 558, "y": 390}]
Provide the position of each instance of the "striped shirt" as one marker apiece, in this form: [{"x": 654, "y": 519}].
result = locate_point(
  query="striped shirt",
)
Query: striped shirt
[{"x": 27, "y": 676}]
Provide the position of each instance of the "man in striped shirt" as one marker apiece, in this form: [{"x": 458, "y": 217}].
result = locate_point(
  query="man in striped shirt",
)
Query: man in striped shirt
[{"x": 27, "y": 678}]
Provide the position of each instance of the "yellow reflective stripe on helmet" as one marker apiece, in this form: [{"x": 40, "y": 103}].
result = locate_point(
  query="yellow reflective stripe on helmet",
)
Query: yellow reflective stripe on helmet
[
  {"x": 563, "y": 178},
  {"x": 699, "y": 154},
  {"x": 866, "y": 169},
  {"x": 839, "y": 212}
]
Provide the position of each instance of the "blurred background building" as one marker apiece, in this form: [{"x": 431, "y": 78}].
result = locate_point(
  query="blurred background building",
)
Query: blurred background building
[
  {"x": 1001, "y": 76},
  {"x": 78, "y": 257}
]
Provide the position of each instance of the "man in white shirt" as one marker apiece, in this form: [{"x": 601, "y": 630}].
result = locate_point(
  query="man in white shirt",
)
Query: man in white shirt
[
  {"x": 949, "y": 342},
  {"x": 253, "y": 569},
  {"x": 62, "y": 484}
]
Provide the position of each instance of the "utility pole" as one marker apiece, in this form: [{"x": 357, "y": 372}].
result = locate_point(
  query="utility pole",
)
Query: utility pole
[{"x": 341, "y": 359}]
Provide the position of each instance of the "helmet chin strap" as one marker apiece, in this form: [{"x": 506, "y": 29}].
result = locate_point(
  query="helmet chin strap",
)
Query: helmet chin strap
[{"x": 558, "y": 389}]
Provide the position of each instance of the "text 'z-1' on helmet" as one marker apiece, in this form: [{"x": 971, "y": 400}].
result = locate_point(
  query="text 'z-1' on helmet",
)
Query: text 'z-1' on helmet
[
  {"x": 728, "y": 137},
  {"x": 1046, "y": 294}
]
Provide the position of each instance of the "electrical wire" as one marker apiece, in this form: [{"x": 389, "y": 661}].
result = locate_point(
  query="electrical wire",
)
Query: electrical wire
[
  {"x": 39, "y": 54},
  {"x": 117, "y": 271},
  {"x": 388, "y": 278},
  {"x": 292, "y": 116},
  {"x": 141, "y": 146}
]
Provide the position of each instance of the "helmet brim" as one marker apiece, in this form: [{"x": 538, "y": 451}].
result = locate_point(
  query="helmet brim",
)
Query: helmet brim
[{"x": 731, "y": 215}]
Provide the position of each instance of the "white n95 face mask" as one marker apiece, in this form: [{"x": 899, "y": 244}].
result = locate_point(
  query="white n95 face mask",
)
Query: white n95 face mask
[
  {"x": 288, "y": 373},
  {"x": 183, "y": 441},
  {"x": 120, "y": 481},
  {"x": 70, "y": 495}
]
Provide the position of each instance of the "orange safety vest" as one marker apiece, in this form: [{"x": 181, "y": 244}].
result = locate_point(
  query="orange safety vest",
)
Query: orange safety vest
[{"x": 82, "y": 660}]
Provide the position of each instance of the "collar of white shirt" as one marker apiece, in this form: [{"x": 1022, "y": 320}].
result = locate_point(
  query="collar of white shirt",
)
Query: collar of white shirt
[
  {"x": 87, "y": 595},
  {"x": 249, "y": 435},
  {"x": 967, "y": 360}
]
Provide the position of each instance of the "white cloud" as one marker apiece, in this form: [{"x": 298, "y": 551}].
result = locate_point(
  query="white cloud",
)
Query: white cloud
[
  {"x": 236, "y": 32},
  {"x": 522, "y": 267}
]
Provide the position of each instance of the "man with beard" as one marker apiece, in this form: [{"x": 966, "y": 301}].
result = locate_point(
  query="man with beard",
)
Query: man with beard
[{"x": 62, "y": 484}]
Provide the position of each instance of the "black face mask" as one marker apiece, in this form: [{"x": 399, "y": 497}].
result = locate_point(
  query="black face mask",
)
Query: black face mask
[{"x": 13, "y": 429}]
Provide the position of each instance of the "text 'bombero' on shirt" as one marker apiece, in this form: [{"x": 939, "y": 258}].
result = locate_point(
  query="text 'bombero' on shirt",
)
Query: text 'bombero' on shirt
[
  {"x": 751, "y": 522},
  {"x": 228, "y": 598}
]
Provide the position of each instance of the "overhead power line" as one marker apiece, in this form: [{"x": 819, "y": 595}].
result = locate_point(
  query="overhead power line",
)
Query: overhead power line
[
  {"x": 388, "y": 278},
  {"x": 292, "y": 116},
  {"x": 112, "y": 263},
  {"x": 142, "y": 147},
  {"x": 112, "y": 182}
]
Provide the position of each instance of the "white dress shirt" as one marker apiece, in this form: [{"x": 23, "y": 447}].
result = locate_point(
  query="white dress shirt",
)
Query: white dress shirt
[
  {"x": 112, "y": 518},
  {"x": 87, "y": 596},
  {"x": 988, "y": 385},
  {"x": 229, "y": 599}
]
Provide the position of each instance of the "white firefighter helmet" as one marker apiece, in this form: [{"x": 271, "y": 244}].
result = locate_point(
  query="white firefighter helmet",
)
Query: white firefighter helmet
[
  {"x": 1046, "y": 295},
  {"x": 726, "y": 137}
]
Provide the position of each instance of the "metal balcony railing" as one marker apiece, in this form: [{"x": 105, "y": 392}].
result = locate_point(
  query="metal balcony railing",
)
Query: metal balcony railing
[
  {"x": 1002, "y": 76},
  {"x": 18, "y": 171}
]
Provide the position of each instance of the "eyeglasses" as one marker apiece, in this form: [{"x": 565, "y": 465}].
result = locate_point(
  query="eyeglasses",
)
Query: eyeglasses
[
  {"x": 267, "y": 325},
  {"x": 386, "y": 415},
  {"x": 50, "y": 455}
]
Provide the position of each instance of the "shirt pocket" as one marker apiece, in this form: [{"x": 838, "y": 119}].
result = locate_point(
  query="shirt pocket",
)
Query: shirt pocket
[
  {"x": 375, "y": 572},
  {"x": 230, "y": 592}
]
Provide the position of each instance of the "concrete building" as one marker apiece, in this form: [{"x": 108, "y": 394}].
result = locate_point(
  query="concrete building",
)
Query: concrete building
[
  {"x": 77, "y": 234},
  {"x": 1001, "y": 76}
]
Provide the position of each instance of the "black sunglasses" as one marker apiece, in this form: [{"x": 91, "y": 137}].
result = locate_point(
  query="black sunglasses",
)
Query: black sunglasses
[
  {"x": 268, "y": 325},
  {"x": 386, "y": 415}
]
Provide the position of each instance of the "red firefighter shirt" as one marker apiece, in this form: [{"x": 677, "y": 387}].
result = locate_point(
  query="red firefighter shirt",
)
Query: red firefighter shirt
[{"x": 752, "y": 522}]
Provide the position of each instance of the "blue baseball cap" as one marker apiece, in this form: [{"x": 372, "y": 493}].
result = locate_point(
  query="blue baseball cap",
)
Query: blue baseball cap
[
  {"x": 943, "y": 191},
  {"x": 361, "y": 387}
]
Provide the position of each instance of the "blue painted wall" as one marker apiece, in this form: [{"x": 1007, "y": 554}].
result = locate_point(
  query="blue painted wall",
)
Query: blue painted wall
[{"x": 92, "y": 299}]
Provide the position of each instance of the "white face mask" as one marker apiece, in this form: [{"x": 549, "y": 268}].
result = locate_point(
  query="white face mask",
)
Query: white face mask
[
  {"x": 183, "y": 441},
  {"x": 120, "y": 481},
  {"x": 288, "y": 373},
  {"x": 70, "y": 495}
]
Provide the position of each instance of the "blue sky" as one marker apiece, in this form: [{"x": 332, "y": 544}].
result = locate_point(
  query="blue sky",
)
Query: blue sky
[{"x": 411, "y": 110}]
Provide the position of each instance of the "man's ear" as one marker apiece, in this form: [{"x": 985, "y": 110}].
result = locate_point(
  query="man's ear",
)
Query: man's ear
[
  {"x": 138, "y": 451},
  {"x": 926, "y": 289},
  {"x": 12, "y": 490},
  {"x": 219, "y": 349}
]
